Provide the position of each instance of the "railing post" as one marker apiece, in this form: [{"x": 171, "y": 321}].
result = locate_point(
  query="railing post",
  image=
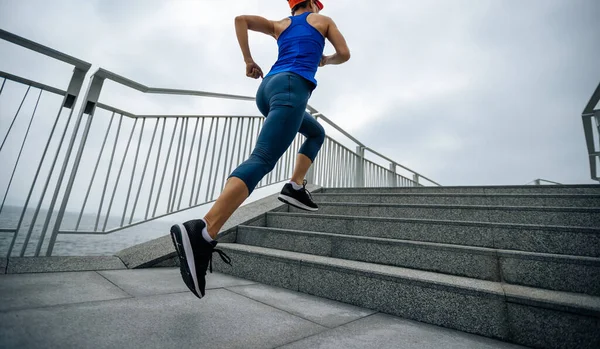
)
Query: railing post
[
  {"x": 360, "y": 167},
  {"x": 392, "y": 180},
  {"x": 416, "y": 179},
  {"x": 87, "y": 107}
]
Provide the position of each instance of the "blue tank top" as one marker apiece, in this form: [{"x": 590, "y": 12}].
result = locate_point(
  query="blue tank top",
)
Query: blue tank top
[{"x": 300, "y": 49}]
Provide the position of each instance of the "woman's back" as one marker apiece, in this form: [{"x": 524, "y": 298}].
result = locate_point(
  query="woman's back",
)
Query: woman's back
[{"x": 300, "y": 48}]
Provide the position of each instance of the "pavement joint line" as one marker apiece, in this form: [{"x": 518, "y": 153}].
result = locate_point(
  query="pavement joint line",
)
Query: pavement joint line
[
  {"x": 64, "y": 304},
  {"x": 226, "y": 287},
  {"x": 130, "y": 297},
  {"x": 274, "y": 307},
  {"x": 117, "y": 286},
  {"x": 329, "y": 329}
]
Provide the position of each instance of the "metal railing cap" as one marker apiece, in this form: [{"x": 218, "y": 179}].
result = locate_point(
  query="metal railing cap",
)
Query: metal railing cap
[
  {"x": 45, "y": 50},
  {"x": 103, "y": 73}
]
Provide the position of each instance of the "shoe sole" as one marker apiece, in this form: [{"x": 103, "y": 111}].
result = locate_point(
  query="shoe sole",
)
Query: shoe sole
[
  {"x": 291, "y": 201},
  {"x": 187, "y": 264}
]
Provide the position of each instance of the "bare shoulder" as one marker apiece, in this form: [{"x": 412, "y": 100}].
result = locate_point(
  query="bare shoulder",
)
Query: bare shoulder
[
  {"x": 319, "y": 18},
  {"x": 320, "y": 22},
  {"x": 281, "y": 25}
]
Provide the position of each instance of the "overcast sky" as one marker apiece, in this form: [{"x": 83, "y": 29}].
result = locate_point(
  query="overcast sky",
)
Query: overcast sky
[{"x": 466, "y": 92}]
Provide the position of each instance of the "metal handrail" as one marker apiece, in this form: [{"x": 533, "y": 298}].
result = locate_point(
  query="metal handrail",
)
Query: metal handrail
[
  {"x": 103, "y": 73},
  {"x": 45, "y": 50},
  {"x": 589, "y": 116},
  {"x": 317, "y": 114},
  {"x": 32, "y": 83}
]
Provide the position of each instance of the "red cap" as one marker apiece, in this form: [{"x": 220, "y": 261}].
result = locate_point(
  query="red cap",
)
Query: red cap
[{"x": 296, "y": 2}]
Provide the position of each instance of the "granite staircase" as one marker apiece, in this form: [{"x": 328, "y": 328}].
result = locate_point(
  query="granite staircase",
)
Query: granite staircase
[{"x": 520, "y": 264}]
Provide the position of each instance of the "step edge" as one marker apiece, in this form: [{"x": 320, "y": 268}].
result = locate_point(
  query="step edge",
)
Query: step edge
[
  {"x": 454, "y": 195},
  {"x": 585, "y": 230},
  {"x": 384, "y": 271},
  {"x": 574, "y": 186},
  {"x": 573, "y": 302},
  {"x": 469, "y": 207},
  {"x": 486, "y": 251}
]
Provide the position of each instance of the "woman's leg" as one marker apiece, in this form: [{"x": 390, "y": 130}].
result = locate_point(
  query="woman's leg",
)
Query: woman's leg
[
  {"x": 315, "y": 136},
  {"x": 287, "y": 96}
]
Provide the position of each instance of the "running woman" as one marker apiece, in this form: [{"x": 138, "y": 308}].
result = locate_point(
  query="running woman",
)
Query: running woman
[{"x": 282, "y": 98}]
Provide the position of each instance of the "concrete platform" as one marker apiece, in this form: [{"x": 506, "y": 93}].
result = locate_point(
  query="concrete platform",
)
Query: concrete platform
[{"x": 152, "y": 308}]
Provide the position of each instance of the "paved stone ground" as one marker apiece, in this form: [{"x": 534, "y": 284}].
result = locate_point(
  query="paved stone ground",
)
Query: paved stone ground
[{"x": 152, "y": 308}]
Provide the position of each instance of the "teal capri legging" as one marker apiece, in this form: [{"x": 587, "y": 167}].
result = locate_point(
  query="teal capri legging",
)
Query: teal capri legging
[{"x": 282, "y": 99}]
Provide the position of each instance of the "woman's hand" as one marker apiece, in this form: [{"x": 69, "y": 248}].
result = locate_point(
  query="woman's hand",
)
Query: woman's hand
[
  {"x": 253, "y": 70},
  {"x": 324, "y": 60}
]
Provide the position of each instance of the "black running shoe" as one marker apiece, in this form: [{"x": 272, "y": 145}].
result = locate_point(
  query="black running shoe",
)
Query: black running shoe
[
  {"x": 195, "y": 254},
  {"x": 300, "y": 198}
]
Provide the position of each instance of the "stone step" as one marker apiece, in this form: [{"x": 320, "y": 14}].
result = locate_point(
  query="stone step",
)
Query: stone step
[
  {"x": 518, "y": 314},
  {"x": 510, "y": 189},
  {"x": 552, "y": 200},
  {"x": 520, "y": 237},
  {"x": 549, "y": 271},
  {"x": 562, "y": 216}
]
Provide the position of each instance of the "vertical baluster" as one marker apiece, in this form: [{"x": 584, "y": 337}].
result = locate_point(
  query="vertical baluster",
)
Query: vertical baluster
[
  {"x": 212, "y": 122},
  {"x": 137, "y": 196},
  {"x": 285, "y": 164},
  {"x": 345, "y": 170},
  {"x": 236, "y": 140},
  {"x": 290, "y": 160},
  {"x": 323, "y": 156},
  {"x": 332, "y": 163},
  {"x": 240, "y": 158},
  {"x": 94, "y": 172},
  {"x": 278, "y": 167},
  {"x": 176, "y": 165},
  {"x": 15, "y": 117},
  {"x": 338, "y": 165},
  {"x": 110, "y": 165},
  {"x": 162, "y": 179},
  {"x": 162, "y": 133},
  {"x": 212, "y": 160},
  {"x": 179, "y": 167},
  {"x": 20, "y": 150},
  {"x": 248, "y": 144},
  {"x": 135, "y": 160},
  {"x": 187, "y": 165},
  {"x": 197, "y": 161},
  {"x": 112, "y": 197},
  {"x": 352, "y": 170},
  {"x": 227, "y": 154}
]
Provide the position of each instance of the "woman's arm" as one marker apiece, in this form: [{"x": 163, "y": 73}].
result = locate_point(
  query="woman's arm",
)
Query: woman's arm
[
  {"x": 342, "y": 52},
  {"x": 254, "y": 23}
]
